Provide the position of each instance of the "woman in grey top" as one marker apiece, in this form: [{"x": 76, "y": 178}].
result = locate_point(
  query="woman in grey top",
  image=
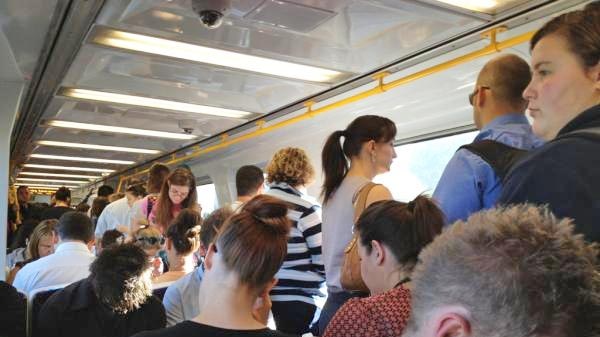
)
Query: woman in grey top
[{"x": 351, "y": 158}]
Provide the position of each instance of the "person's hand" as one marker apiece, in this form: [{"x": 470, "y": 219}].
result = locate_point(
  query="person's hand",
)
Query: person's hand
[{"x": 261, "y": 308}]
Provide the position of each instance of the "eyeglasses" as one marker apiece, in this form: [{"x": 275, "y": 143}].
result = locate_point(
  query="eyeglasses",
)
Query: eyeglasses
[
  {"x": 152, "y": 240},
  {"x": 182, "y": 194},
  {"x": 471, "y": 95}
]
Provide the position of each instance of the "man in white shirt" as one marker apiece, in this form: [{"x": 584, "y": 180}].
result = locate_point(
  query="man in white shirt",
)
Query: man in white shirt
[
  {"x": 69, "y": 263},
  {"x": 118, "y": 214}
]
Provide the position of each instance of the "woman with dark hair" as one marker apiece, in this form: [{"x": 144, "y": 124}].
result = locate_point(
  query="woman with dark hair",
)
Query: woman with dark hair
[
  {"x": 141, "y": 209},
  {"x": 351, "y": 158},
  {"x": 178, "y": 192},
  {"x": 240, "y": 269},
  {"x": 391, "y": 235},
  {"x": 183, "y": 239},
  {"x": 98, "y": 205},
  {"x": 564, "y": 101}
]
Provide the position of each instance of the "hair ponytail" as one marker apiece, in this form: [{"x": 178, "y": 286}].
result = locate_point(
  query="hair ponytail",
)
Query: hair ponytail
[{"x": 335, "y": 164}]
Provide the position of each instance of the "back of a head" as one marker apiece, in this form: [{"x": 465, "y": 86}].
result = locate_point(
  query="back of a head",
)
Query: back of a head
[
  {"x": 105, "y": 191},
  {"x": 148, "y": 237},
  {"x": 292, "y": 166},
  {"x": 517, "y": 271},
  {"x": 213, "y": 223},
  {"x": 335, "y": 155},
  {"x": 136, "y": 188},
  {"x": 184, "y": 232},
  {"x": 98, "y": 205},
  {"x": 121, "y": 278},
  {"x": 63, "y": 194},
  {"x": 157, "y": 175},
  {"x": 248, "y": 179},
  {"x": 111, "y": 237},
  {"x": 507, "y": 76},
  {"x": 75, "y": 226},
  {"x": 405, "y": 228},
  {"x": 253, "y": 242}
]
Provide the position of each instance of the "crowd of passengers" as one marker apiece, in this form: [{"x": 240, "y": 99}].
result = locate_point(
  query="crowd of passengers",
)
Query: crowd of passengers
[{"x": 507, "y": 245}]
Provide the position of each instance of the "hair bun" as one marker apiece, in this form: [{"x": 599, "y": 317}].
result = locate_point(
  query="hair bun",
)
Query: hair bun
[{"x": 269, "y": 211}]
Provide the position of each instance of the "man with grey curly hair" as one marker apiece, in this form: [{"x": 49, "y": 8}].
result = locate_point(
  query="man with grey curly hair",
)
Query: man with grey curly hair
[
  {"x": 115, "y": 300},
  {"x": 508, "y": 272}
]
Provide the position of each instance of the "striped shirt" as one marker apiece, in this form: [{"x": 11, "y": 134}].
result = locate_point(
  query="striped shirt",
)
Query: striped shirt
[{"x": 302, "y": 273}]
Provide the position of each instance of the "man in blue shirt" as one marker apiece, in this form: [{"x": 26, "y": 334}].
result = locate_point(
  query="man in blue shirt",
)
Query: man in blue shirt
[{"x": 469, "y": 183}]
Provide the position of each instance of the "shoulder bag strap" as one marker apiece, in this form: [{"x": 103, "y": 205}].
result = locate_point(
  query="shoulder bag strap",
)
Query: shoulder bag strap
[{"x": 360, "y": 199}]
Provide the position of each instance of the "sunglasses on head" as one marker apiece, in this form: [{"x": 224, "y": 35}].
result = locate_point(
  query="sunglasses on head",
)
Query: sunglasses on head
[{"x": 152, "y": 240}]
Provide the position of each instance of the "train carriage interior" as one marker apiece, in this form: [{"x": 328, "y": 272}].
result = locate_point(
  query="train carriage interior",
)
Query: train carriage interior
[{"x": 96, "y": 91}]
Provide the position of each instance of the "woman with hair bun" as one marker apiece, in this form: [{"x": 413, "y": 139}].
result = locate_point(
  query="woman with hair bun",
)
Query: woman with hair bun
[
  {"x": 351, "y": 158},
  {"x": 391, "y": 234},
  {"x": 182, "y": 240},
  {"x": 239, "y": 273}
]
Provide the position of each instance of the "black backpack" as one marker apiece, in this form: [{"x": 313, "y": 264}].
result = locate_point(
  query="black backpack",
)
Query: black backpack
[{"x": 499, "y": 156}]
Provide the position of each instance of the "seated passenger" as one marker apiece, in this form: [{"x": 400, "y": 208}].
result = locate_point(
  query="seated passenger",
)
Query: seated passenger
[
  {"x": 151, "y": 241},
  {"x": 240, "y": 270},
  {"x": 391, "y": 236},
  {"x": 115, "y": 300},
  {"x": 13, "y": 311},
  {"x": 249, "y": 180},
  {"x": 507, "y": 272},
  {"x": 564, "y": 101},
  {"x": 69, "y": 263},
  {"x": 183, "y": 239},
  {"x": 302, "y": 273},
  {"x": 62, "y": 205},
  {"x": 41, "y": 243},
  {"x": 110, "y": 238},
  {"x": 181, "y": 298}
]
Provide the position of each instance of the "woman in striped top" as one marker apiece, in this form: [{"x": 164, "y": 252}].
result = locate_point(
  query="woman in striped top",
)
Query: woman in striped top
[{"x": 302, "y": 273}]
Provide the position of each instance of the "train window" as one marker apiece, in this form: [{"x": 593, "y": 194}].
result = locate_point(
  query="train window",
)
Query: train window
[
  {"x": 419, "y": 166},
  {"x": 207, "y": 198}
]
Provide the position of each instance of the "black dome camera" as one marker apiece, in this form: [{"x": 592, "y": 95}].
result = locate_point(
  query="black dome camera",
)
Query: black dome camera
[{"x": 211, "y": 12}]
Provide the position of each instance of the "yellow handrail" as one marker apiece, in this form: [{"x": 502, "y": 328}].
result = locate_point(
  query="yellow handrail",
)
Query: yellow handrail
[{"x": 226, "y": 141}]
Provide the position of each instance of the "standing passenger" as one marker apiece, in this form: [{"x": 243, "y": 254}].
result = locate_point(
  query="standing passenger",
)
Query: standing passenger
[
  {"x": 178, "y": 192},
  {"x": 472, "y": 181},
  {"x": 302, "y": 273},
  {"x": 141, "y": 209},
  {"x": 368, "y": 145},
  {"x": 62, "y": 204},
  {"x": 564, "y": 97},
  {"x": 249, "y": 181}
]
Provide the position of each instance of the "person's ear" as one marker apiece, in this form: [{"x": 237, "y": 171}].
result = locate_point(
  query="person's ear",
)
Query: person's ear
[
  {"x": 268, "y": 287},
  {"x": 210, "y": 253},
  {"x": 594, "y": 74},
  {"x": 378, "y": 252},
  {"x": 481, "y": 97},
  {"x": 452, "y": 325}
]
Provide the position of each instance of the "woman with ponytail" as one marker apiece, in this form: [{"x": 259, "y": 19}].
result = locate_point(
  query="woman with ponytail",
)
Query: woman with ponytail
[
  {"x": 391, "y": 235},
  {"x": 239, "y": 273},
  {"x": 351, "y": 158},
  {"x": 183, "y": 239}
]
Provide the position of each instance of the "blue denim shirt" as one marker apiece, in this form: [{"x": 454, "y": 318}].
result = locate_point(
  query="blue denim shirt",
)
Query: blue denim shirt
[{"x": 468, "y": 183}]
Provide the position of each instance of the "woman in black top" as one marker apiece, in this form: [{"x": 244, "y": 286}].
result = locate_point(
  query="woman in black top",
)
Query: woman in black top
[{"x": 239, "y": 273}]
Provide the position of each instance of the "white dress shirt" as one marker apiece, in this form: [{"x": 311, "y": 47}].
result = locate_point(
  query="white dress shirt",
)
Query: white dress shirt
[
  {"x": 116, "y": 214},
  {"x": 69, "y": 263}
]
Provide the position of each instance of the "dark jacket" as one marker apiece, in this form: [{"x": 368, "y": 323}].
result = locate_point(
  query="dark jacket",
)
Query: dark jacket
[
  {"x": 76, "y": 311},
  {"x": 13, "y": 310},
  {"x": 565, "y": 174}
]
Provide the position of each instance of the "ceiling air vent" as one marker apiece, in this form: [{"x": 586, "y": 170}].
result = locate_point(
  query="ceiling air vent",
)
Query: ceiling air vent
[{"x": 289, "y": 15}]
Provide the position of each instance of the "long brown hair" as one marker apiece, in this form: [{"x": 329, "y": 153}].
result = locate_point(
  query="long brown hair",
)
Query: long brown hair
[
  {"x": 335, "y": 156},
  {"x": 180, "y": 177},
  {"x": 46, "y": 227}
]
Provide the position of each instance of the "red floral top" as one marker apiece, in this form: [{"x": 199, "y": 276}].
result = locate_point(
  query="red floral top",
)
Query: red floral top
[{"x": 383, "y": 315}]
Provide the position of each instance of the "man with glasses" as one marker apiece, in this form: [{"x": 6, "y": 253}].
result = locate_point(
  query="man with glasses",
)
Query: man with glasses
[{"x": 472, "y": 180}]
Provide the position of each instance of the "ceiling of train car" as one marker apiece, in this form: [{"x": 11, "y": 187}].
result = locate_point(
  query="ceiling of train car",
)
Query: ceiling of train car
[{"x": 150, "y": 78}]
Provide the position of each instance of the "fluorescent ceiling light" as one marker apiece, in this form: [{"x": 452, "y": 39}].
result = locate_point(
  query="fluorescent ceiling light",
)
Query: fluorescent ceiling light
[
  {"x": 48, "y": 174},
  {"x": 97, "y": 147},
  {"x": 219, "y": 57},
  {"x": 475, "y": 5},
  {"x": 54, "y": 180},
  {"x": 118, "y": 129},
  {"x": 44, "y": 185},
  {"x": 69, "y": 168},
  {"x": 110, "y": 97},
  {"x": 84, "y": 159}
]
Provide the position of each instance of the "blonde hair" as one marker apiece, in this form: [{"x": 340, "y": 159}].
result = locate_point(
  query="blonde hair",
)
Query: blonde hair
[
  {"x": 46, "y": 227},
  {"x": 145, "y": 236},
  {"x": 290, "y": 165}
]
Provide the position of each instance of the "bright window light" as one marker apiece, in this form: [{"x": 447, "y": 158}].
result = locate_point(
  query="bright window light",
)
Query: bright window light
[
  {"x": 44, "y": 185},
  {"x": 54, "y": 180},
  {"x": 97, "y": 147},
  {"x": 475, "y": 5},
  {"x": 219, "y": 57},
  {"x": 48, "y": 174},
  {"x": 69, "y": 168},
  {"x": 118, "y": 129},
  {"x": 103, "y": 96},
  {"x": 84, "y": 159}
]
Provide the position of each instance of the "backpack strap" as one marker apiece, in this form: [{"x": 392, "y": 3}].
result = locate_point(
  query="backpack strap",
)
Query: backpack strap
[
  {"x": 499, "y": 156},
  {"x": 590, "y": 133},
  {"x": 150, "y": 206}
]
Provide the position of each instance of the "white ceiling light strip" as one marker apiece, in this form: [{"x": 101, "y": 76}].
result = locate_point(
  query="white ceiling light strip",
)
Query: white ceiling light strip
[
  {"x": 118, "y": 129},
  {"x": 148, "y": 102},
  {"x": 475, "y": 5},
  {"x": 83, "y": 159},
  {"x": 48, "y": 174},
  {"x": 219, "y": 57},
  {"x": 69, "y": 168},
  {"x": 97, "y": 147},
  {"x": 54, "y": 180},
  {"x": 44, "y": 185}
]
